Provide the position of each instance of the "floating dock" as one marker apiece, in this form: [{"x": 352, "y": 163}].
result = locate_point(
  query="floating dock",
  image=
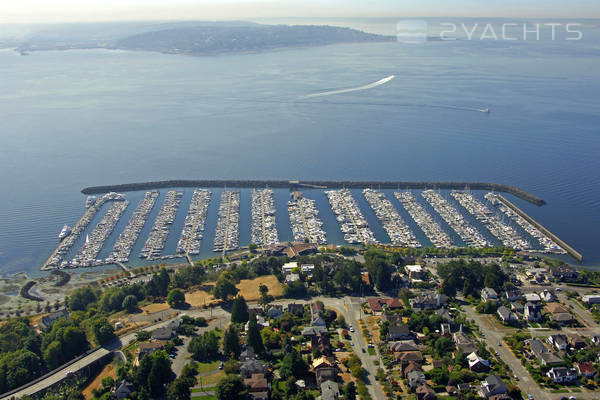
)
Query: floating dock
[{"x": 570, "y": 251}]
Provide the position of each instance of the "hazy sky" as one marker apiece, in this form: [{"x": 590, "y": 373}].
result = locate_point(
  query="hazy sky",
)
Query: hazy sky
[{"x": 28, "y": 11}]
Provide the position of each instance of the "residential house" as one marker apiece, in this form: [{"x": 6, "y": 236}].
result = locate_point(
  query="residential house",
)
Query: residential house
[
  {"x": 377, "y": 304},
  {"x": 288, "y": 268},
  {"x": 562, "y": 374},
  {"x": 543, "y": 354},
  {"x": 393, "y": 319},
  {"x": 47, "y": 321},
  {"x": 548, "y": 296},
  {"x": 576, "y": 341},
  {"x": 404, "y": 345},
  {"x": 322, "y": 362},
  {"x": 532, "y": 312},
  {"x": 415, "y": 272},
  {"x": 408, "y": 368},
  {"x": 489, "y": 294},
  {"x": 559, "y": 313},
  {"x": 307, "y": 269},
  {"x": 257, "y": 383},
  {"x": 300, "y": 249},
  {"x": 532, "y": 297},
  {"x": 324, "y": 374},
  {"x": 165, "y": 333},
  {"x": 415, "y": 379},
  {"x": 247, "y": 354},
  {"x": 311, "y": 331},
  {"x": 330, "y": 390},
  {"x": 147, "y": 348},
  {"x": 477, "y": 363},
  {"x": 493, "y": 385},
  {"x": 424, "y": 392},
  {"x": 428, "y": 301},
  {"x": 123, "y": 390},
  {"x": 295, "y": 308},
  {"x": 275, "y": 312},
  {"x": 322, "y": 343},
  {"x": 591, "y": 299},
  {"x": 399, "y": 332},
  {"x": 406, "y": 357},
  {"x": 517, "y": 307},
  {"x": 250, "y": 367},
  {"x": 564, "y": 273},
  {"x": 586, "y": 369},
  {"x": 507, "y": 316},
  {"x": 463, "y": 342},
  {"x": 558, "y": 341},
  {"x": 289, "y": 278},
  {"x": 513, "y": 295}
]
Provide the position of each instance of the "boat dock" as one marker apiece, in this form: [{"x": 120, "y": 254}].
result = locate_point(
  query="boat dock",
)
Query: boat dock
[
  {"x": 467, "y": 233},
  {"x": 228, "y": 223},
  {"x": 264, "y": 226},
  {"x": 352, "y": 222},
  {"x": 155, "y": 243},
  {"x": 193, "y": 227},
  {"x": 507, "y": 235},
  {"x": 56, "y": 258},
  {"x": 305, "y": 221},
  {"x": 394, "y": 225},
  {"x": 127, "y": 239},
  {"x": 88, "y": 253},
  {"x": 568, "y": 249},
  {"x": 424, "y": 220}
]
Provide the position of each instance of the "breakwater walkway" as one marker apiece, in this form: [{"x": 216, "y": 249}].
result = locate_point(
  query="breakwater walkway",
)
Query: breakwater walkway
[{"x": 295, "y": 184}]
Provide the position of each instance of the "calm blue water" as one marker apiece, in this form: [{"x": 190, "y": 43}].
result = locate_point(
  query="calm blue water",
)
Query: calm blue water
[{"x": 80, "y": 118}]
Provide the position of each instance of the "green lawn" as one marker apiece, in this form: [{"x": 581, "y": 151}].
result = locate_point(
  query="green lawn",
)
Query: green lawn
[
  {"x": 204, "y": 389},
  {"x": 207, "y": 367},
  {"x": 371, "y": 351}
]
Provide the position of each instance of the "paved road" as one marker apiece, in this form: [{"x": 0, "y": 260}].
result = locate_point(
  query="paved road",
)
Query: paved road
[{"x": 526, "y": 383}]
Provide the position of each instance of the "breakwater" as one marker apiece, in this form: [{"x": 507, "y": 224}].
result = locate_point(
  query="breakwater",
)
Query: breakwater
[
  {"x": 571, "y": 251},
  {"x": 294, "y": 184}
]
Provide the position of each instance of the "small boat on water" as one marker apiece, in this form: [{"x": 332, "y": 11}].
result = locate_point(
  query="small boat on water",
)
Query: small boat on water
[
  {"x": 485, "y": 110},
  {"x": 66, "y": 231}
]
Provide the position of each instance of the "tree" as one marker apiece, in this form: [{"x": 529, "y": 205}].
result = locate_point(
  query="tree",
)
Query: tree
[
  {"x": 204, "y": 347},
  {"x": 101, "y": 330},
  {"x": 176, "y": 298},
  {"x": 265, "y": 298},
  {"x": 349, "y": 391},
  {"x": 295, "y": 290},
  {"x": 231, "y": 388},
  {"x": 239, "y": 310},
  {"x": 224, "y": 288},
  {"x": 179, "y": 389},
  {"x": 81, "y": 298},
  {"x": 231, "y": 366},
  {"x": 252, "y": 247},
  {"x": 270, "y": 338},
  {"x": 449, "y": 287},
  {"x": 130, "y": 303},
  {"x": 231, "y": 342},
  {"x": 254, "y": 338}
]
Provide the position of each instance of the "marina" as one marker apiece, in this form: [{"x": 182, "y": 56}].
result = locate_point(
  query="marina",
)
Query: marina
[
  {"x": 155, "y": 243},
  {"x": 352, "y": 222},
  {"x": 193, "y": 228},
  {"x": 502, "y": 231},
  {"x": 467, "y": 233},
  {"x": 88, "y": 253},
  {"x": 424, "y": 220},
  {"x": 394, "y": 225},
  {"x": 228, "y": 220},
  {"x": 127, "y": 239},
  {"x": 56, "y": 258},
  {"x": 264, "y": 226},
  {"x": 547, "y": 244},
  {"x": 304, "y": 220}
]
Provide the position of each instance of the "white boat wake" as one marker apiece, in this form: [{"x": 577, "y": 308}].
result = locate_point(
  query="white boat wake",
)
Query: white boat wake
[{"x": 353, "y": 89}]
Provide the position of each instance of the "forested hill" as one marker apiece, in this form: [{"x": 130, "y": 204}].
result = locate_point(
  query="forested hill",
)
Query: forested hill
[{"x": 203, "y": 40}]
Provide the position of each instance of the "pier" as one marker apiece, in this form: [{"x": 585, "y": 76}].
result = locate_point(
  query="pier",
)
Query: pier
[
  {"x": 295, "y": 184},
  {"x": 570, "y": 251}
]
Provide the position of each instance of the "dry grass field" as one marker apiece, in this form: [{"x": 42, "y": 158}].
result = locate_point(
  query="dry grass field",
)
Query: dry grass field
[
  {"x": 155, "y": 307},
  {"x": 109, "y": 370},
  {"x": 249, "y": 287}
]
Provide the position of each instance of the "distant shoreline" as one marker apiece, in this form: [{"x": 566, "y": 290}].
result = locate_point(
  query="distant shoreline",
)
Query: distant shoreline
[{"x": 497, "y": 187}]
